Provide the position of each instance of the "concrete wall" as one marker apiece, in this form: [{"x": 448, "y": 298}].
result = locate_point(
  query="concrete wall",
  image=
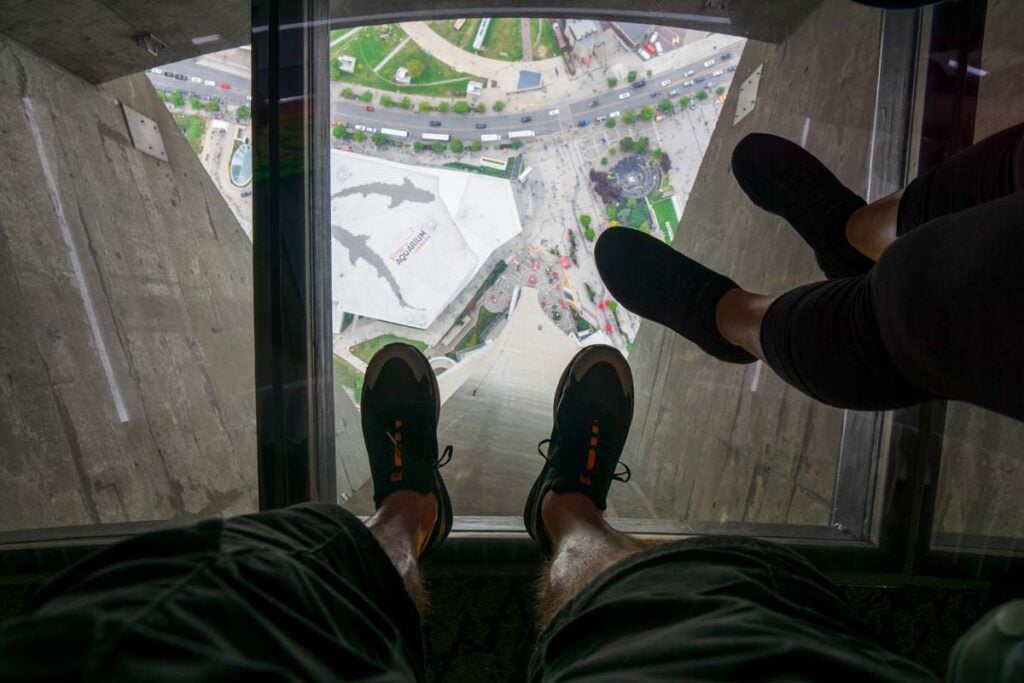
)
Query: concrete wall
[
  {"x": 719, "y": 442},
  {"x": 126, "y": 350}
]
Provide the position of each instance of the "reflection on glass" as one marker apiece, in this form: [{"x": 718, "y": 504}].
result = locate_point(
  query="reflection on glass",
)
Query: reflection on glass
[{"x": 475, "y": 162}]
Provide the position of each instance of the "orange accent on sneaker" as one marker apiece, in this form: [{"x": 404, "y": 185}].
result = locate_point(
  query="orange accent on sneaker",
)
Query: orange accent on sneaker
[
  {"x": 593, "y": 441},
  {"x": 591, "y": 457},
  {"x": 398, "y": 424},
  {"x": 396, "y": 476},
  {"x": 594, "y": 429},
  {"x": 584, "y": 479}
]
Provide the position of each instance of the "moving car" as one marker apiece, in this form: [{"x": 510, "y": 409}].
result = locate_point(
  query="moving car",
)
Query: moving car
[
  {"x": 224, "y": 86},
  {"x": 725, "y": 56},
  {"x": 688, "y": 73},
  {"x": 526, "y": 119},
  {"x": 369, "y": 107},
  {"x": 665, "y": 82},
  {"x": 624, "y": 95},
  {"x": 709, "y": 85},
  {"x": 717, "y": 72},
  {"x": 700, "y": 79},
  {"x": 638, "y": 84},
  {"x": 710, "y": 62},
  {"x": 687, "y": 84},
  {"x": 435, "y": 124},
  {"x": 674, "y": 91},
  {"x": 655, "y": 93},
  {"x": 481, "y": 126},
  {"x": 583, "y": 123},
  {"x": 553, "y": 112},
  {"x": 592, "y": 103},
  {"x": 731, "y": 68}
]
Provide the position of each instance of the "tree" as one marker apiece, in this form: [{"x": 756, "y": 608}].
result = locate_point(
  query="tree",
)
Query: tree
[
  {"x": 437, "y": 146},
  {"x": 702, "y": 95},
  {"x": 443, "y": 107},
  {"x": 213, "y": 106},
  {"x": 178, "y": 98},
  {"x": 611, "y": 211},
  {"x": 417, "y": 146},
  {"x": 423, "y": 106},
  {"x": 612, "y": 81},
  {"x": 476, "y": 146},
  {"x": 649, "y": 73},
  {"x": 348, "y": 93},
  {"x": 367, "y": 96},
  {"x": 589, "y": 234},
  {"x": 498, "y": 106},
  {"x": 627, "y": 144},
  {"x": 613, "y": 151},
  {"x": 720, "y": 90},
  {"x": 585, "y": 220},
  {"x": 642, "y": 146},
  {"x": 631, "y": 76},
  {"x": 379, "y": 139},
  {"x": 684, "y": 102},
  {"x": 480, "y": 108},
  {"x": 341, "y": 132},
  {"x": 608, "y": 191},
  {"x": 610, "y": 123},
  {"x": 604, "y": 161},
  {"x": 195, "y": 103},
  {"x": 657, "y": 153},
  {"x": 359, "y": 136},
  {"x": 665, "y": 162},
  {"x": 406, "y": 103},
  {"x": 461, "y": 107},
  {"x": 666, "y": 107},
  {"x": 516, "y": 144},
  {"x": 457, "y": 146},
  {"x": 386, "y": 101},
  {"x": 415, "y": 69},
  {"x": 647, "y": 113},
  {"x": 243, "y": 112},
  {"x": 629, "y": 116}
]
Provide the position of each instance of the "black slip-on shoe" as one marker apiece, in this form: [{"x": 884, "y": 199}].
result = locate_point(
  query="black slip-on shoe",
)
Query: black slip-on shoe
[
  {"x": 656, "y": 282},
  {"x": 400, "y": 408},
  {"x": 593, "y": 408},
  {"x": 783, "y": 178}
]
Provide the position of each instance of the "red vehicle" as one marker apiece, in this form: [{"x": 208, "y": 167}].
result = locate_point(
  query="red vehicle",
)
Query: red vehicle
[
  {"x": 224, "y": 86},
  {"x": 369, "y": 107},
  {"x": 650, "y": 48}
]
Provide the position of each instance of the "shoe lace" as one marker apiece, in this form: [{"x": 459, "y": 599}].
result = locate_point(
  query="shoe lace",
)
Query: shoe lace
[
  {"x": 443, "y": 459},
  {"x": 623, "y": 475}
]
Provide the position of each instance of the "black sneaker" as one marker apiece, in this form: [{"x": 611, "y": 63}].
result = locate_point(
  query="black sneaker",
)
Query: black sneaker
[
  {"x": 656, "y": 282},
  {"x": 592, "y": 410},
  {"x": 785, "y": 179},
  {"x": 400, "y": 408}
]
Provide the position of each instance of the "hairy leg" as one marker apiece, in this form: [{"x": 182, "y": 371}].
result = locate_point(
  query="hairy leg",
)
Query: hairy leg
[
  {"x": 402, "y": 526},
  {"x": 584, "y": 546}
]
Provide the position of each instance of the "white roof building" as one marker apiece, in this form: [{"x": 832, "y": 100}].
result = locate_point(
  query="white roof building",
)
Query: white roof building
[
  {"x": 347, "y": 63},
  {"x": 402, "y": 76},
  {"x": 474, "y": 88}
]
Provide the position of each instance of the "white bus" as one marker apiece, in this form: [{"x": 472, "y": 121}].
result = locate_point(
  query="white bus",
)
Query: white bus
[
  {"x": 524, "y": 174},
  {"x": 520, "y": 134},
  {"x": 444, "y": 137},
  {"x": 490, "y": 137},
  {"x": 394, "y": 132}
]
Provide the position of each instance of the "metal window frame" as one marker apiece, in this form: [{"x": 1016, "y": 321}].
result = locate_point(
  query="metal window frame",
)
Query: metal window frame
[{"x": 883, "y": 502}]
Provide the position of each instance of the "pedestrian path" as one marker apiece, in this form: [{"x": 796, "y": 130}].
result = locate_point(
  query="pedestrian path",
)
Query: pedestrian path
[
  {"x": 391, "y": 54},
  {"x": 344, "y": 36}
]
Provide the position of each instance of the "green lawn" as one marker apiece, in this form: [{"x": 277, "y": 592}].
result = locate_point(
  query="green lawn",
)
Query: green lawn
[
  {"x": 474, "y": 337},
  {"x": 504, "y": 40},
  {"x": 542, "y": 33},
  {"x": 373, "y": 43},
  {"x": 365, "y": 350},
  {"x": 193, "y": 127},
  {"x": 347, "y": 376},
  {"x": 664, "y": 211},
  {"x": 462, "y": 38}
]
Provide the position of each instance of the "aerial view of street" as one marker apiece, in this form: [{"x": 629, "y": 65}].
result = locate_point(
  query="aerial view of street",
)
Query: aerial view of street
[{"x": 476, "y": 159}]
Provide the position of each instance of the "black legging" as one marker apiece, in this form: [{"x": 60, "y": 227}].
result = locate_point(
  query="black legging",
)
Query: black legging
[{"x": 941, "y": 315}]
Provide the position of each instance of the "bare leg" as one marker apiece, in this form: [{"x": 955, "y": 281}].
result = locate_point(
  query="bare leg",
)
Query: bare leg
[
  {"x": 739, "y": 315},
  {"x": 584, "y": 546},
  {"x": 872, "y": 228},
  {"x": 402, "y": 526}
]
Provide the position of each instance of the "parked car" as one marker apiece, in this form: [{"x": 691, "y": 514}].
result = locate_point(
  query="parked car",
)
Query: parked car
[
  {"x": 725, "y": 56},
  {"x": 435, "y": 124},
  {"x": 211, "y": 84},
  {"x": 371, "y": 129},
  {"x": 481, "y": 126},
  {"x": 700, "y": 79},
  {"x": 592, "y": 103},
  {"x": 649, "y": 48},
  {"x": 643, "y": 54},
  {"x": 638, "y": 84},
  {"x": 708, "y": 63},
  {"x": 731, "y": 69},
  {"x": 687, "y": 84},
  {"x": 247, "y": 193},
  {"x": 717, "y": 72},
  {"x": 665, "y": 82},
  {"x": 674, "y": 91},
  {"x": 196, "y": 79},
  {"x": 526, "y": 119},
  {"x": 624, "y": 95},
  {"x": 369, "y": 107},
  {"x": 602, "y": 117},
  {"x": 583, "y": 123},
  {"x": 224, "y": 86},
  {"x": 553, "y": 112},
  {"x": 158, "y": 72},
  {"x": 615, "y": 115},
  {"x": 181, "y": 77},
  {"x": 359, "y": 126},
  {"x": 709, "y": 85},
  {"x": 688, "y": 73},
  {"x": 659, "y": 48}
]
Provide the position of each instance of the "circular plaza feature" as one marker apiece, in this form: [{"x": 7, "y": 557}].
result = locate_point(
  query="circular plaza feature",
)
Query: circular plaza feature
[{"x": 635, "y": 177}]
